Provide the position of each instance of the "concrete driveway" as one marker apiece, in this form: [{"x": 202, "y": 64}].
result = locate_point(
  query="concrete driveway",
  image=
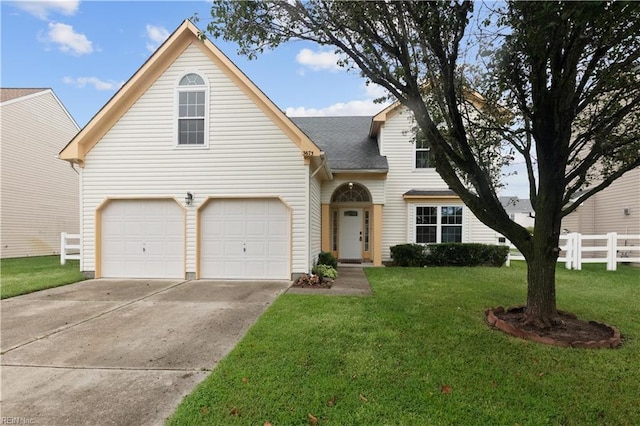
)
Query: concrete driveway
[{"x": 119, "y": 351}]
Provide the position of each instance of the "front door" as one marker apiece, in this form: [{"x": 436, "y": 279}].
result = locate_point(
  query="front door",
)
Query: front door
[{"x": 350, "y": 234}]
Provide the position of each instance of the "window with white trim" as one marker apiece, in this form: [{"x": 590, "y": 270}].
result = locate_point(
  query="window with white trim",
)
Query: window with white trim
[
  {"x": 423, "y": 154},
  {"x": 192, "y": 110},
  {"x": 438, "y": 224}
]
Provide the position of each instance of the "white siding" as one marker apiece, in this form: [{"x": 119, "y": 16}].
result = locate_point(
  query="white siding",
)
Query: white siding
[
  {"x": 395, "y": 143},
  {"x": 315, "y": 220},
  {"x": 247, "y": 156},
  {"x": 39, "y": 193}
]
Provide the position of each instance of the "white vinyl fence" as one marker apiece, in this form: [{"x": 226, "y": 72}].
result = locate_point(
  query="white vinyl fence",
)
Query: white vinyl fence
[
  {"x": 68, "y": 250},
  {"x": 576, "y": 249}
]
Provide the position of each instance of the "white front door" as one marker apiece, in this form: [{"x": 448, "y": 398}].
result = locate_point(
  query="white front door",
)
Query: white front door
[
  {"x": 350, "y": 234},
  {"x": 245, "y": 239},
  {"x": 142, "y": 239}
]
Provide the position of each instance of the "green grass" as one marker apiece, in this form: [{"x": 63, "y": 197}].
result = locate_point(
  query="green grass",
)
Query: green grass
[
  {"x": 28, "y": 274},
  {"x": 388, "y": 358}
]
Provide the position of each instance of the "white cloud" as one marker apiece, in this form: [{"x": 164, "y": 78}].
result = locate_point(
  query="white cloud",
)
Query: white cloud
[
  {"x": 93, "y": 81},
  {"x": 67, "y": 39},
  {"x": 374, "y": 91},
  {"x": 42, "y": 8},
  {"x": 366, "y": 107},
  {"x": 319, "y": 60},
  {"x": 157, "y": 35}
]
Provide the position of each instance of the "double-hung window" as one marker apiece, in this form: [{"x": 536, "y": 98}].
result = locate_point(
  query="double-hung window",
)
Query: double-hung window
[
  {"x": 423, "y": 154},
  {"x": 438, "y": 224},
  {"x": 192, "y": 101}
]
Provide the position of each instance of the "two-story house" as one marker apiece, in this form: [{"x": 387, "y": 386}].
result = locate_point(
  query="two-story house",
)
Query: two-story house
[
  {"x": 191, "y": 171},
  {"x": 39, "y": 193}
]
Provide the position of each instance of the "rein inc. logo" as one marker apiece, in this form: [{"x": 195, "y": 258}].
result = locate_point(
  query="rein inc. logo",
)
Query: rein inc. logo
[{"x": 17, "y": 421}]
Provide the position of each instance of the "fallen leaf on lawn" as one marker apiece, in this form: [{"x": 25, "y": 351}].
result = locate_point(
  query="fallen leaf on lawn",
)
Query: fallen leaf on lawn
[
  {"x": 204, "y": 410},
  {"x": 245, "y": 380},
  {"x": 234, "y": 412},
  {"x": 363, "y": 398},
  {"x": 267, "y": 424},
  {"x": 331, "y": 402},
  {"x": 313, "y": 420},
  {"x": 445, "y": 389}
]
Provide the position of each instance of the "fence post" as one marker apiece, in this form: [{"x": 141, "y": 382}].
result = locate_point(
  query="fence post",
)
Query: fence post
[
  {"x": 577, "y": 256},
  {"x": 569, "y": 252},
  {"x": 63, "y": 248},
  {"x": 612, "y": 243}
]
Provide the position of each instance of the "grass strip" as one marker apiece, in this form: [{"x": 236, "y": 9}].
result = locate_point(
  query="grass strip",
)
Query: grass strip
[{"x": 28, "y": 274}]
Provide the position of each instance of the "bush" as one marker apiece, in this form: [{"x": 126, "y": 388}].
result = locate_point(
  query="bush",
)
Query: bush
[
  {"x": 449, "y": 254},
  {"x": 409, "y": 255},
  {"x": 325, "y": 271},
  {"x": 466, "y": 254},
  {"x": 326, "y": 258}
]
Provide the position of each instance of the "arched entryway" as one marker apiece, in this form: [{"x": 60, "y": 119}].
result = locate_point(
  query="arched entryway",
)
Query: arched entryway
[{"x": 351, "y": 223}]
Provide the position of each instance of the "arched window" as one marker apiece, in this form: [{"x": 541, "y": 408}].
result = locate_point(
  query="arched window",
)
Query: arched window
[
  {"x": 351, "y": 193},
  {"x": 192, "y": 110}
]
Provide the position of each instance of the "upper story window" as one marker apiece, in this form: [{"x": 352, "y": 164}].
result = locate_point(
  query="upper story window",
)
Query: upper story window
[
  {"x": 423, "y": 157},
  {"x": 192, "y": 110},
  {"x": 438, "y": 224}
]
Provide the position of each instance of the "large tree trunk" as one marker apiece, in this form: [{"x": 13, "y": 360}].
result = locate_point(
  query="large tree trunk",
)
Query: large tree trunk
[
  {"x": 541, "y": 262},
  {"x": 541, "y": 290}
]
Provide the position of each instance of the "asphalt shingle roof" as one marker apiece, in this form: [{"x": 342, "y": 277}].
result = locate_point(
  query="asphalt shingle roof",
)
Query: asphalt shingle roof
[
  {"x": 345, "y": 141},
  {"x": 430, "y": 192},
  {"x": 516, "y": 205},
  {"x": 6, "y": 94}
]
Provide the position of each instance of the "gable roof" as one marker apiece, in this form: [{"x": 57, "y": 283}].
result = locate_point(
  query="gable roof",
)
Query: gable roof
[
  {"x": 185, "y": 35},
  {"x": 515, "y": 204},
  {"x": 345, "y": 142},
  {"x": 7, "y": 94}
]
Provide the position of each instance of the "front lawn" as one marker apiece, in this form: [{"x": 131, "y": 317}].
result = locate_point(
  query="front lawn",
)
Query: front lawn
[
  {"x": 418, "y": 352},
  {"x": 28, "y": 274}
]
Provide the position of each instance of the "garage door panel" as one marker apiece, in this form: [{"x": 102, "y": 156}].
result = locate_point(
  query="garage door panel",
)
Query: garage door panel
[
  {"x": 142, "y": 239},
  {"x": 232, "y": 248},
  {"x": 279, "y": 229},
  {"x": 256, "y": 229},
  {"x": 256, "y": 248},
  {"x": 245, "y": 230},
  {"x": 278, "y": 248}
]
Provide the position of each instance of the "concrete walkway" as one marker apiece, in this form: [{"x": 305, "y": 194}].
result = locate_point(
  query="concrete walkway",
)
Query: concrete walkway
[
  {"x": 121, "y": 352},
  {"x": 351, "y": 281}
]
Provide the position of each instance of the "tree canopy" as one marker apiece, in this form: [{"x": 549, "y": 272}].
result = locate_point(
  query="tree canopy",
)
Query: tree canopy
[{"x": 560, "y": 89}]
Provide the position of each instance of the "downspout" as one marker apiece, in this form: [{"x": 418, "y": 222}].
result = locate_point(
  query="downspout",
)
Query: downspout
[{"x": 323, "y": 165}]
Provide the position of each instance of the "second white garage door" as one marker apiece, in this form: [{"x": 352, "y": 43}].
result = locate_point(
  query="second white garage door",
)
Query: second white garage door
[{"x": 245, "y": 239}]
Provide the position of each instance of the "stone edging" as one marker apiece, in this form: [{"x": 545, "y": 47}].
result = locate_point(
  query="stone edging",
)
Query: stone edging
[{"x": 496, "y": 322}]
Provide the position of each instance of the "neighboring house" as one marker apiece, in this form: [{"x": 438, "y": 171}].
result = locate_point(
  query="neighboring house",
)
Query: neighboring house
[
  {"x": 190, "y": 170},
  {"x": 39, "y": 193},
  {"x": 519, "y": 210},
  {"x": 614, "y": 209}
]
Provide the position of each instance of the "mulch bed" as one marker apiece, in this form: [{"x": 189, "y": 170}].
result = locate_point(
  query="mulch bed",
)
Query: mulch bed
[{"x": 569, "y": 331}]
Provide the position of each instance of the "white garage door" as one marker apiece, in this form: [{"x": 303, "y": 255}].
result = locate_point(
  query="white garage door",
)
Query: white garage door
[
  {"x": 143, "y": 239},
  {"x": 245, "y": 239}
]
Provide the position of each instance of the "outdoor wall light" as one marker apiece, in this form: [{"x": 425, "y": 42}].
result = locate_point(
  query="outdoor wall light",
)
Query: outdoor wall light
[
  {"x": 350, "y": 185},
  {"x": 188, "y": 200},
  {"x": 627, "y": 211}
]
